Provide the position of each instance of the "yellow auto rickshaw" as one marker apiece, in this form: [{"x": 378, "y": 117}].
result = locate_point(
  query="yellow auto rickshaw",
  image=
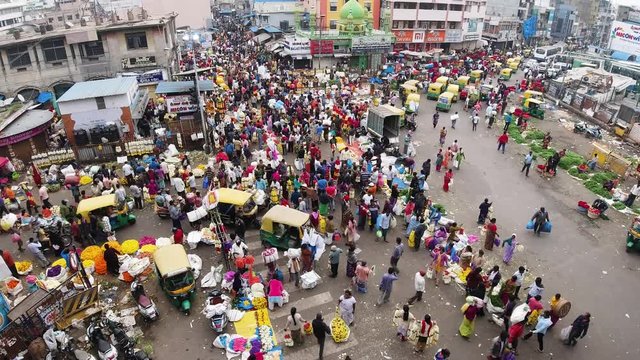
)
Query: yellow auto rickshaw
[
  {"x": 475, "y": 76},
  {"x": 455, "y": 90},
  {"x": 435, "y": 89},
  {"x": 533, "y": 107},
  {"x": 176, "y": 276},
  {"x": 412, "y": 98},
  {"x": 414, "y": 83},
  {"x": 409, "y": 89},
  {"x": 505, "y": 74},
  {"x": 106, "y": 205},
  {"x": 443, "y": 80},
  {"x": 233, "y": 203},
  {"x": 463, "y": 81},
  {"x": 514, "y": 65},
  {"x": 485, "y": 91},
  {"x": 282, "y": 227},
  {"x": 444, "y": 101},
  {"x": 533, "y": 95}
]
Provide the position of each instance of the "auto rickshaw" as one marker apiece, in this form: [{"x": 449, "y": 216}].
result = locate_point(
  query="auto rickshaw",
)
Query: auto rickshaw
[
  {"x": 514, "y": 65},
  {"x": 412, "y": 98},
  {"x": 435, "y": 89},
  {"x": 633, "y": 236},
  {"x": 485, "y": 90},
  {"x": 176, "y": 276},
  {"x": 475, "y": 76},
  {"x": 444, "y": 101},
  {"x": 534, "y": 108},
  {"x": 531, "y": 94},
  {"x": 233, "y": 203},
  {"x": 414, "y": 83},
  {"x": 282, "y": 227},
  {"x": 463, "y": 81},
  {"x": 455, "y": 90},
  {"x": 505, "y": 74},
  {"x": 409, "y": 89},
  {"x": 472, "y": 93},
  {"x": 443, "y": 80},
  {"x": 106, "y": 205}
]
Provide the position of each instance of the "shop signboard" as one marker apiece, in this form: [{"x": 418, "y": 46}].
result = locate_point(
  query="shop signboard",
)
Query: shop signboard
[
  {"x": 418, "y": 37},
  {"x": 297, "y": 45},
  {"x": 368, "y": 45},
  {"x": 151, "y": 77},
  {"x": 625, "y": 37},
  {"x": 180, "y": 104},
  {"x": 321, "y": 47},
  {"x": 434, "y": 36},
  {"x": 138, "y": 62},
  {"x": 471, "y": 37},
  {"x": 403, "y": 36},
  {"x": 453, "y": 36}
]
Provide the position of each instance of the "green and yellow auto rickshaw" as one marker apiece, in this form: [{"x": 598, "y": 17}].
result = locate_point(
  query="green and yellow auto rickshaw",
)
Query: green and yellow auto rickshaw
[
  {"x": 463, "y": 81},
  {"x": 455, "y": 90},
  {"x": 412, "y": 98},
  {"x": 106, "y": 205},
  {"x": 531, "y": 94},
  {"x": 485, "y": 90},
  {"x": 505, "y": 74},
  {"x": 475, "y": 76},
  {"x": 282, "y": 227},
  {"x": 534, "y": 108},
  {"x": 234, "y": 203},
  {"x": 176, "y": 276},
  {"x": 444, "y": 101},
  {"x": 444, "y": 80},
  {"x": 435, "y": 89}
]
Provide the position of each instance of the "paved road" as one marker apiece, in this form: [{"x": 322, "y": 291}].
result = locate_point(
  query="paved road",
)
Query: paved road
[{"x": 582, "y": 259}]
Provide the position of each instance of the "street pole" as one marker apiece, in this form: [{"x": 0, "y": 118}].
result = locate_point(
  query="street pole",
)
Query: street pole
[{"x": 203, "y": 119}]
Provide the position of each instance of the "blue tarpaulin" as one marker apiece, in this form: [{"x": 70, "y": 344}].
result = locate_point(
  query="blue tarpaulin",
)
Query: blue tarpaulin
[
  {"x": 253, "y": 29},
  {"x": 620, "y": 55},
  {"x": 529, "y": 27},
  {"x": 44, "y": 97}
]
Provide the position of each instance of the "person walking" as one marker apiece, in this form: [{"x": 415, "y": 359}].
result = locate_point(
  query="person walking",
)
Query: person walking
[
  {"x": 439, "y": 264},
  {"x": 458, "y": 159},
  {"x": 448, "y": 177},
  {"x": 509, "y": 246},
  {"x": 469, "y": 312},
  {"x": 419, "y": 285},
  {"x": 428, "y": 334},
  {"x": 385, "y": 223},
  {"x": 474, "y": 122},
  {"x": 386, "y": 285},
  {"x": 526, "y": 165},
  {"x": 502, "y": 141},
  {"x": 454, "y": 119},
  {"x": 543, "y": 324},
  {"x": 579, "y": 328},
  {"x": 43, "y": 192},
  {"x": 362, "y": 276},
  {"x": 519, "y": 274},
  {"x": 498, "y": 346},
  {"x": 633, "y": 194},
  {"x": 436, "y": 116},
  {"x": 535, "y": 289},
  {"x": 35, "y": 248},
  {"x": 334, "y": 260},
  {"x": 175, "y": 214},
  {"x": 347, "y": 307},
  {"x": 539, "y": 219},
  {"x": 443, "y": 136},
  {"x": 294, "y": 324},
  {"x": 492, "y": 233},
  {"x": 398, "y": 250},
  {"x": 403, "y": 319},
  {"x": 320, "y": 330},
  {"x": 484, "y": 211}
]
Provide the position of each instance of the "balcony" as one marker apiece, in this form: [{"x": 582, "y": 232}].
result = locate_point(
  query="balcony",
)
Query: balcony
[
  {"x": 455, "y": 16},
  {"x": 403, "y": 14},
  {"x": 433, "y": 15}
]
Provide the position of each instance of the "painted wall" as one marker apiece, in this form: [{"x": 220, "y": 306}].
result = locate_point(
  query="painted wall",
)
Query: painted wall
[{"x": 193, "y": 14}]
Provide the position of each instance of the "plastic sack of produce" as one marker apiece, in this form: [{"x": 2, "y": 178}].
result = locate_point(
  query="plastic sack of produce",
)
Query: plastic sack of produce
[
  {"x": 137, "y": 266},
  {"x": 163, "y": 241},
  {"x": 196, "y": 264},
  {"x": 193, "y": 238},
  {"x": 339, "y": 330},
  {"x": 310, "y": 279},
  {"x": 221, "y": 341},
  {"x": 519, "y": 313},
  {"x": 130, "y": 246},
  {"x": 24, "y": 267}
]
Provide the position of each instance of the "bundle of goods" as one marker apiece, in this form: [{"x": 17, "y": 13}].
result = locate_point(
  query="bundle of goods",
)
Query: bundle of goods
[
  {"x": 339, "y": 330},
  {"x": 130, "y": 246}
]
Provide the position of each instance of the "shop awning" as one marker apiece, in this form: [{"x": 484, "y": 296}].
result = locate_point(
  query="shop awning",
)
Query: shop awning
[
  {"x": 44, "y": 96},
  {"x": 620, "y": 55},
  {"x": 271, "y": 29},
  {"x": 182, "y": 87},
  {"x": 260, "y": 38},
  {"x": 302, "y": 57}
]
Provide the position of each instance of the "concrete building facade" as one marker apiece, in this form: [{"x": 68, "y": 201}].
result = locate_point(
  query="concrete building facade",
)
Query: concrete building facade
[
  {"x": 279, "y": 13},
  {"x": 502, "y": 26},
  {"x": 54, "y": 60},
  {"x": 11, "y": 13}
]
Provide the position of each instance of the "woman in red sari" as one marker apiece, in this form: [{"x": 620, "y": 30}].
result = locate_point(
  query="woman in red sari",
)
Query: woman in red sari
[
  {"x": 448, "y": 176},
  {"x": 35, "y": 172}
]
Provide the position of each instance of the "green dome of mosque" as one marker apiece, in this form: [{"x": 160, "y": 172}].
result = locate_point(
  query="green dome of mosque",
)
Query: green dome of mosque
[{"x": 353, "y": 8}]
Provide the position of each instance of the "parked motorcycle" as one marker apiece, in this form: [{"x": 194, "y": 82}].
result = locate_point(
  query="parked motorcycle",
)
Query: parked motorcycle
[
  {"x": 146, "y": 306},
  {"x": 216, "y": 310},
  {"x": 106, "y": 351},
  {"x": 62, "y": 346},
  {"x": 125, "y": 343},
  {"x": 590, "y": 131}
]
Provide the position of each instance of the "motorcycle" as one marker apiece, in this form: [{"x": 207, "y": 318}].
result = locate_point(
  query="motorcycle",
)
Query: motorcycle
[
  {"x": 590, "y": 131},
  {"x": 106, "y": 350},
  {"x": 216, "y": 310},
  {"x": 580, "y": 127},
  {"x": 124, "y": 342},
  {"x": 61, "y": 346},
  {"x": 146, "y": 306}
]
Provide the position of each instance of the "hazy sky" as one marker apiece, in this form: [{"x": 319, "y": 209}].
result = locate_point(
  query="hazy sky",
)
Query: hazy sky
[{"x": 626, "y": 2}]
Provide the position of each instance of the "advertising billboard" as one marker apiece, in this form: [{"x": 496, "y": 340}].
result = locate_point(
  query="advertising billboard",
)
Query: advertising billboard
[{"x": 625, "y": 37}]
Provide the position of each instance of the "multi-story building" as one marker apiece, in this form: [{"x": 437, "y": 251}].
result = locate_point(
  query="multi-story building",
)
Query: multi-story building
[
  {"x": 628, "y": 14},
  {"x": 278, "y": 13},
  {"x": 563, "y": 22},
  {"x": 544, "y": 11},
  {"x": 502, "y": 26},
  {"x": 328, "y": 11},
  {"x": 445, "y": 24},
  {"x": 602, "y": 28},
  {"x": 11, "y": 13},
  {"x": 54, "y": 59},
  {"x": 586, "y": 17}
]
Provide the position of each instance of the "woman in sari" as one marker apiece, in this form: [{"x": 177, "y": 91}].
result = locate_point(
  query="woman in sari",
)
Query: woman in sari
[
  {"x": 352, "y": 232},
  {"x": 509, "y": 246},
  {"x": 447, "y": 158},
  {"x": 439, "y": 263},
  {"x": 469, "y": 311},
  {"x": 458, "y": 158},
  {"x": 492, "y": 232},
  {"x": 439, "y": 159},
  {"x": 554, "y": 303},
  {"x": 307, "y": 259},
  {"x": 428, "y": 333},
  {"x": 447, "y": 180},
  {"x": 465, "y": 257},
  {"x": 352, "y": 262},
  {"x": 403, "y": 319},
  {"x": 443, "y": 136}
]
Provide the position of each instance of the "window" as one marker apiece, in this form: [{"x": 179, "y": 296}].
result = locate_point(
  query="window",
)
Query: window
[
  {"x": 423, "y": 24},
  {"x": 333, "y": 24},
  {"x": 137, "y": 40},
  {"x": 100, "y": 103},
  {"x": 60, "y": 18},
  {"x": 455, "y": 7},
  {"x": 424, "y": 6},
  {"x": 411, "y": 24},
  {"x": 333, "y": 6},
  {"x": 441, "y": 6},
  {"x": 51, "y": 20},
  {"x": 92, "y": 48},
  {"x": 18, "y": 56},
  {"x": 69, "y": 17},
  {"x": 404, "y": 5},
  {"x": 53, "y": 50},
  {"x": 454, "y": 25},
  {"x": 77, "y": 16},
  {"x": 394, "y": 24}
]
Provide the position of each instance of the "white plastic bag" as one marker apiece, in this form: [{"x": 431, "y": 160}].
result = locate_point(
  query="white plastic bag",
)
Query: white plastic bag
[
  {"x": 209, "y": 281},
  {"x": 310, "y": 279},
  {"x": 196, "y": 264},
  {"x": 564, "y": 334},
  {"x": 221, "y": 341},
  {"x": 393, "y": 223},
  {"x": 193, "y": 239}
]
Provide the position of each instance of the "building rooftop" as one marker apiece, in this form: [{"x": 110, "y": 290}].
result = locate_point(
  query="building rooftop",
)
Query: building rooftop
[
  {"x": 98, "y": 88},
  {"x": 28, "y": 120},
  {"x": 181, "y": 87}
]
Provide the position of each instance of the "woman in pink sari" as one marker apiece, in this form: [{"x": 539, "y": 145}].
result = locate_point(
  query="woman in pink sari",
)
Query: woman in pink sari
[{"x": 448, "y": 176}]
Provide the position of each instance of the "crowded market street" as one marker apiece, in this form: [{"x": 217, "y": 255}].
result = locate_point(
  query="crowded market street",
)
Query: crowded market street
[{"x": 581, "y": 258}]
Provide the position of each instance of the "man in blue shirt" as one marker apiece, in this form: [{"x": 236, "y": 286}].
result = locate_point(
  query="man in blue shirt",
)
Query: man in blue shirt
[
  {"x": 544, "y": 322},
  {"x": 386, "y": 285},
  {"x": 528, "y": 160}
]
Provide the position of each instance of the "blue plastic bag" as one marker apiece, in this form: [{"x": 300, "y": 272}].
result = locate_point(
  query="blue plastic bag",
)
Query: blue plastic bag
[
  {"x": 546, "y": 227},
  {"x": 530, "y": 225}
]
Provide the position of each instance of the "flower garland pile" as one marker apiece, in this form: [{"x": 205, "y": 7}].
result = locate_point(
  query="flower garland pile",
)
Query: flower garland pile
[
  {"x": 130, "y": 246},
  {"x": 262, "y": 318},
  {"x": 92, "y": 252},
  {"x": 266, "y": 338}
]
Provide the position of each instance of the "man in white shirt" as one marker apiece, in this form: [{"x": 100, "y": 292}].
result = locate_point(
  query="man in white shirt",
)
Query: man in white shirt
[
  {"x": 121, "y": 194},
  {"x": 179, "y": 186},
  {"x": 165, "y": 169},
  {"x": 43, "y": 192},
  {"x": 127, "y": 170},
  {"x": 419, "y": 284},
  {"x": 367, "y": 199},
  {"x": 454, "y": 119}
]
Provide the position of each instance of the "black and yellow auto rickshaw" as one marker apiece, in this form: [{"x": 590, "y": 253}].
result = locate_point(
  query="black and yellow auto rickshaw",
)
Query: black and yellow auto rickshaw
[
  {"x": 176, "y": 276},
  {"x": 534, "y": 108},
  {"x": 282, "y": 227},
  {"x": 234, "y": 203},
  {"x": 106, "y": 205}
]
